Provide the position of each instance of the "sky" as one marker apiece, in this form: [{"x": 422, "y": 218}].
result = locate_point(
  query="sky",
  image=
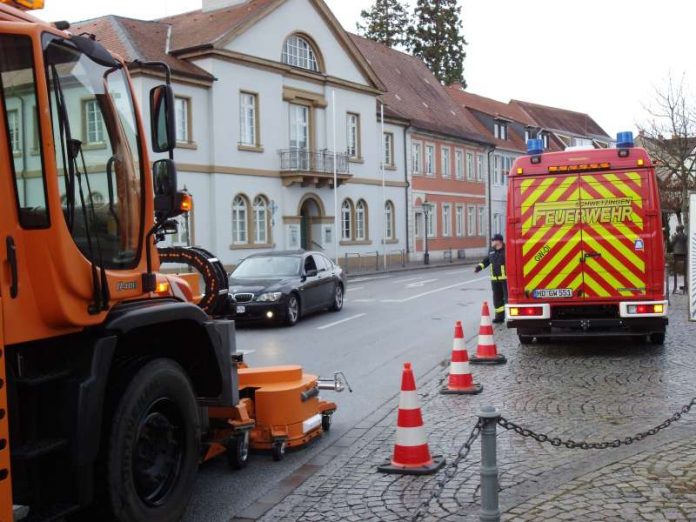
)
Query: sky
[{"x": 603, "y": 57}]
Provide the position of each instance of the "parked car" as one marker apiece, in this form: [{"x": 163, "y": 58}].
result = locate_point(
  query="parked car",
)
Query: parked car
[{"x": 285, "y": 286}]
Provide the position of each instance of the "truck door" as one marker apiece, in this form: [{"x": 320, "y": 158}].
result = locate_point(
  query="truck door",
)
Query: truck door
[
  {"x": 550, "y": 235},
  {"x": 5, "y": 479},
  {"x": 614, "y": 238}
]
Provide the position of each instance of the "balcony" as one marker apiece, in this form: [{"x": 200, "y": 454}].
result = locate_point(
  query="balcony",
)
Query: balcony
[{"x": 312, "y": 168}]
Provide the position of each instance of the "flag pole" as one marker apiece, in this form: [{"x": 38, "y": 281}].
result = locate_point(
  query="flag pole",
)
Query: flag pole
[
  {"x": 335, "y": 175},
  {"x": 384, "y": 197}
]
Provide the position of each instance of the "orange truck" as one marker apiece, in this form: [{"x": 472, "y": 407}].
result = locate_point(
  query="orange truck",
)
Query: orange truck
[{"x": 584, "y": 244}]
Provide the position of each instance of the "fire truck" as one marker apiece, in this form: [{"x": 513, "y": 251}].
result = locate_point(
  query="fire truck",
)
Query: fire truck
[{"x": 585, "y": 248}]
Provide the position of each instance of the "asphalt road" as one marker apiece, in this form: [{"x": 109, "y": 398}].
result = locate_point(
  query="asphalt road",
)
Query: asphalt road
[{"x": 386, "y": 320}]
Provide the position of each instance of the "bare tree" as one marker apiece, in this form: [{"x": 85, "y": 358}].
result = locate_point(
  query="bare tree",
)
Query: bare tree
[{"x": 670, "y": 138}]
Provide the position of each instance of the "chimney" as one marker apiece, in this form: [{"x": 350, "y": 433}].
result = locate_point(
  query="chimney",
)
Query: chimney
[{"x": 213, "y": 5}]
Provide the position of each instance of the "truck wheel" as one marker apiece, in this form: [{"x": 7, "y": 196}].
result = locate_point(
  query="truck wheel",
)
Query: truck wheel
[
  {"x": 152, "y": 455},
  {"x": 657, "y": 338},
  {"x": 238, "y": 451},
  {"x": 525, "y": 339},
  {"x": 278, "y": 450}
]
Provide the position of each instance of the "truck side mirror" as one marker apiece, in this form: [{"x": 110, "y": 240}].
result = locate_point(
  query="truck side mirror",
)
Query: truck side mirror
[
  {"x": 162, "y": 119},
  {"x": 164, "y": 183}
]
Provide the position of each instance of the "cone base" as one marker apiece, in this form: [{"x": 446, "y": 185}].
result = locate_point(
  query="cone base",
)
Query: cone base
[
  {"x": 428, "y": 469},
  {"x": 496, "y": 359},
  {"x": 474, "y": 389}
]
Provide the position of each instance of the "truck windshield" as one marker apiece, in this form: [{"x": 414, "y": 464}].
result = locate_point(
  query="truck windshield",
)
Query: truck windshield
[{"x": 97, "y": 153}]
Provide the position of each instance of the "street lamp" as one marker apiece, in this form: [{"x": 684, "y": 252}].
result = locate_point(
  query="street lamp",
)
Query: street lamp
[{"x": 426, "y": 213}]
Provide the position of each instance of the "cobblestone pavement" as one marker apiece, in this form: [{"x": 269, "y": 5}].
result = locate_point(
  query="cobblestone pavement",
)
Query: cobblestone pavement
[{"x": 596, "y": 390}]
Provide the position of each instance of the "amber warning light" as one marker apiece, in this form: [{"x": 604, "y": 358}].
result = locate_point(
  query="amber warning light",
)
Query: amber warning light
[
  {"x": 24, "y": 4},
  {"x": 185, "y": 202}
]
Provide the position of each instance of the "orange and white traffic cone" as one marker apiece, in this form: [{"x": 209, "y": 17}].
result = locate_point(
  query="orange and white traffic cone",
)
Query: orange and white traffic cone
[
  {"x": 486, "y": 351},
  {"x": 460, "y": 380},
  {"x": 411, "y": 453}
]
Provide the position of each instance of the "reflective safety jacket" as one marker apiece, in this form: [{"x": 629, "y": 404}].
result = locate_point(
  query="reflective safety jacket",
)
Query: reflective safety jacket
[{"x": 495, "y": 258}]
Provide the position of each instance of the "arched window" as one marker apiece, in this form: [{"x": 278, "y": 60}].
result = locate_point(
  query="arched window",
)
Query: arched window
[
  {"x": 347, "y": 220},
  {"x": 361, "y": 221},
  {"x": 240, "y": 231},
  {"x": 389, "y": 220},
  {"x": 260, "y": 220},
  {"x": 298, "y": 52}
]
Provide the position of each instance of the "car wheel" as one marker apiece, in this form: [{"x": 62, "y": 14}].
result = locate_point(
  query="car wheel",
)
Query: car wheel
[
  {"x": 338, "y": 298},
  {"x": 292, "y": 310}
]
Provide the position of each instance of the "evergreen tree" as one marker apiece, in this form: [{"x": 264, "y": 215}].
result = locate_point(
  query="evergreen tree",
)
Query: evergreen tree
[
  {"x": 386, "y": 22},
  {"x": 435, "y": 37}
]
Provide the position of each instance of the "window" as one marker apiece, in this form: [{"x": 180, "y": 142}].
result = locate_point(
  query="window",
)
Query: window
[
  {"x": 94, "y": 122},
  {"x": 389, "y": 220},
  {"x": 299, "y": 53},
  {"x": 418, "y": 227},
  {"x": 470, "y": 174},
  {"x": 183, "y": 230},
  {"x": 260, "y": 220},
  {"x": 182, "y": 109},
  {"x": 388, "y": 149},
  {"x": 580, "y": 142},
  {"x": 248, "y": 119},
  {"x": 460, "y": 220},
  {"x": 299, "y": 136},
  {"x": 446, "y": 162},
  {"x": 497, "y": 160},
  {"x": 459, "y": 160},
  {"x": 361, "y": 221},
  {"x": 545, "y": 140},
  {"x": 481, "y": 220},
  {"x": 347, "y": 220},
  {"x": 13, "y": 127},
  {"x": 497, "y": 224},
  {"x": 417, "y": 157},
  {"x": 446, "y": 220},
  {"x": 470, "y": 220},
  {"x": 17, "y": 76},
  {"x": 500, "y": 130},
  {"x": 431, "y": 216},
  {"x": 508, "y": 168},
  {"x": 353, "y": 135},
  {"x": 479, "y": 167},
  {"x": 239, "y": 220},
  {"x": 528, "y": 134},
  {"x": 430, "y": 160}
]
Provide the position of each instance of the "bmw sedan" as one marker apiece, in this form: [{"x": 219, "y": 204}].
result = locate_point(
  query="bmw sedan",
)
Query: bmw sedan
[{"x": 285, "y": 286}]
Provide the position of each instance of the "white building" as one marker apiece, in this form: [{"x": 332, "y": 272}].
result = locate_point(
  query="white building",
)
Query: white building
[{"x": 266, "y": 91}]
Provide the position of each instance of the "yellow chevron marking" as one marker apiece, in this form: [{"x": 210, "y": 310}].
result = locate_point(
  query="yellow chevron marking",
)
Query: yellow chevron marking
[
  {"x": 586, "y": 196},
  {"x": 537, "y": 193},
  {"x": 561, "y": 189},
  {"x": 618, "y": 244},
  {"x": 618, "y": 265},
  {"x": 533, "y": 242},
  {"x": 625, "y": 189},
  {"x": 526, "y": 183},
  {"x": 608, "y": 277},
  {"x": 596, "y": 287},
  {"x": 574, "y": 196},
  {"x": 554, "y": 262}
]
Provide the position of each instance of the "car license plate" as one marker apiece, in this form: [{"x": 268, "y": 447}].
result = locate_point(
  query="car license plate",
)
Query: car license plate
[
  {"x": 552, "y": 293},
  {"x": 241, "y": 309}
]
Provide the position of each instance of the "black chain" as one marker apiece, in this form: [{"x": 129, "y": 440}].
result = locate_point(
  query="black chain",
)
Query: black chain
[
  {"x": 571, "y": 444},
  {"x": 449, "y": 473}
]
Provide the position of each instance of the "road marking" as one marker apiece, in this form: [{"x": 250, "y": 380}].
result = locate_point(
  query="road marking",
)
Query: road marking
[
  {"x": 420, "y": 283},
  {"x": 405, "y": 280},
  {"x": 363, "y": 300},
  {"x": 353, "y": 289},
  {"x": 339, "y": 322},
  {"x": 435, "y": 290},
  {"x": 362, "y": 279}
]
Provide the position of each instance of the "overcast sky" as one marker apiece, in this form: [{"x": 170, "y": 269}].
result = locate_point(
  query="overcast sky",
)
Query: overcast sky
[{"x": 604, "y": 57}]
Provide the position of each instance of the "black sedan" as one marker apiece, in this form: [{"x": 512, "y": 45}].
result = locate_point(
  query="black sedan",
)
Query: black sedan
[{"x": 286, "y": 285}]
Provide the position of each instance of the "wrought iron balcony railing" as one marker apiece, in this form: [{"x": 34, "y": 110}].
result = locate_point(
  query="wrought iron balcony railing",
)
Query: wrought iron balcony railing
[{"x": 302, "y": 160}]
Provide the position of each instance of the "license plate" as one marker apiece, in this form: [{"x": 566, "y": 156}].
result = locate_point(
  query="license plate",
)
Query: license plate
[
  {"x": 241, "y": 309},
  {"x": 552, "y": 293}
]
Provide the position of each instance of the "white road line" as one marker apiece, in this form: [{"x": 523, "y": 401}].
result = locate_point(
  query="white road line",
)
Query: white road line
[
  {"x": 363, "y": 279},
  {"x": 339, "y": 322},
  {"x": 435, "y": 290},
  {"x": 363, "y": 300},
  {"x": 405, "y": 280},
  {"x": 354, "y": 288},
  {"x": 420, "y": 283}
]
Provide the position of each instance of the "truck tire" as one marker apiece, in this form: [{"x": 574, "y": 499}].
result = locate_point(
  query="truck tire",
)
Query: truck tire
[
  {"x": 157, "y": 420},
  {"x": 525, "y": 339},
  {"x": 657, "y": 338}
]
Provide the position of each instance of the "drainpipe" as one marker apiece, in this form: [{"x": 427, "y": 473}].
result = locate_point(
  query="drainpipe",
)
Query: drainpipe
[
  {"x": 489, "y": 196},
  {"x": 408, "y": 184}
]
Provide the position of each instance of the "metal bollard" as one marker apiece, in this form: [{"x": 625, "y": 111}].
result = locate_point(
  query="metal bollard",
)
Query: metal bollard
[{"x": 490, "y": 511}]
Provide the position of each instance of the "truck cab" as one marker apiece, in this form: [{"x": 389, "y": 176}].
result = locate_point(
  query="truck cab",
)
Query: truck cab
[{"x": 585, "y": 245}]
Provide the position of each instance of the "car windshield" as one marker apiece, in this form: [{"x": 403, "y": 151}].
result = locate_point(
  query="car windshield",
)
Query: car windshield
[{"x": 270, "y": 266}]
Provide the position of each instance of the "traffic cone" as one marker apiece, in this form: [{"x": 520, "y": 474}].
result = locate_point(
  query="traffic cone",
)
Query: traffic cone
[
  {"x": 411, "y": 454},
  {"x": 460, "y": 379},
  {"x": 486, "y": 351}
]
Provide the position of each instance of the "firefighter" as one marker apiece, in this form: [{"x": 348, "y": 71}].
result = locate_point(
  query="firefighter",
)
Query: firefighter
[
  {"x": 496, "y": 258},
  {"x": 679, "y": 246}
]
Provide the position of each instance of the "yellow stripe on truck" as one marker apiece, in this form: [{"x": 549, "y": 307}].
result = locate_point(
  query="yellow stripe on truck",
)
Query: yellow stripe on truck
[
  {"x": 594, "y": 285},
  {"x": 554, "y": 262},
  {"x": 618, "y": 265}
]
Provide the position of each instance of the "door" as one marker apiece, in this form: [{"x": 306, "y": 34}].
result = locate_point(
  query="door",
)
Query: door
[
  {"x": 614, "y": 237},
  {"x": 5, "y": 476},
  {"x": 327, "y": 279},
  {"x": 549, "y": 236},
  {"x": 312, "y": 286},
  {"x": 299, "y": 136}
]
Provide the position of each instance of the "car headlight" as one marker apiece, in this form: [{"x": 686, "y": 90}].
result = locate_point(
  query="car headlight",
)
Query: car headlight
[{"x": 269, "y": 297}]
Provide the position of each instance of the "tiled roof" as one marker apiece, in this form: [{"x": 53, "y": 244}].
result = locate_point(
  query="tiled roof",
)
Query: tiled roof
[
  {"x": 562, "y": 120},
  {"x": 137, "y": 40},
  {"x": 204, "y": 28},
  {"x": 414, "y": 94},
  {"x": 490, "y": 106}
]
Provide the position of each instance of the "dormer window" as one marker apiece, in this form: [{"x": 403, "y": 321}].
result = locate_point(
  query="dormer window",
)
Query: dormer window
[
  {"x": 500, "y": 130},
  {"x": 298, "y": 52},
  {"x": 545, "y": 140}
]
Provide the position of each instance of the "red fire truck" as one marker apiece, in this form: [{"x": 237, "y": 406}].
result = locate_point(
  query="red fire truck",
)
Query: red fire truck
[{"x": 585, "y": 250}]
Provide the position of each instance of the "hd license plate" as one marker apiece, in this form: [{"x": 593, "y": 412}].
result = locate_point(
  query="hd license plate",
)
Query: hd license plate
[
  {"x": 551, "y": 293},
  {"x": 241, "y": 309}
]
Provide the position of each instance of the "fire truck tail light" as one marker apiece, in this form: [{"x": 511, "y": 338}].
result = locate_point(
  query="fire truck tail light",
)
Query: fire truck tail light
[
  {"x": 526, "y": 311},
  {"x": 646, "y": 309}
]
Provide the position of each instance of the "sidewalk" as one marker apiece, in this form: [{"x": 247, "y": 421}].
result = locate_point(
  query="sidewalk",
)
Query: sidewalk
[
  {"x": 415, "y": 265},
  {"x": 581, "y": 391}
]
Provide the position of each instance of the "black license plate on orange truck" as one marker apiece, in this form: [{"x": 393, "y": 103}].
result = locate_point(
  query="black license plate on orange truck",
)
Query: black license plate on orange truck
[{"x": 552, "y": 293}]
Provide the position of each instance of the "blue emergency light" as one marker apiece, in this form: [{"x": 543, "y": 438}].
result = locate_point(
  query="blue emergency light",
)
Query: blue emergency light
[
  {"x": 535, "y": 147},
  {"x": 624, "y": 140}
]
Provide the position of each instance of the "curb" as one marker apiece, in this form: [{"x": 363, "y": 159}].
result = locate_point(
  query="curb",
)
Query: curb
[{"x": 352, "y": 275}]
